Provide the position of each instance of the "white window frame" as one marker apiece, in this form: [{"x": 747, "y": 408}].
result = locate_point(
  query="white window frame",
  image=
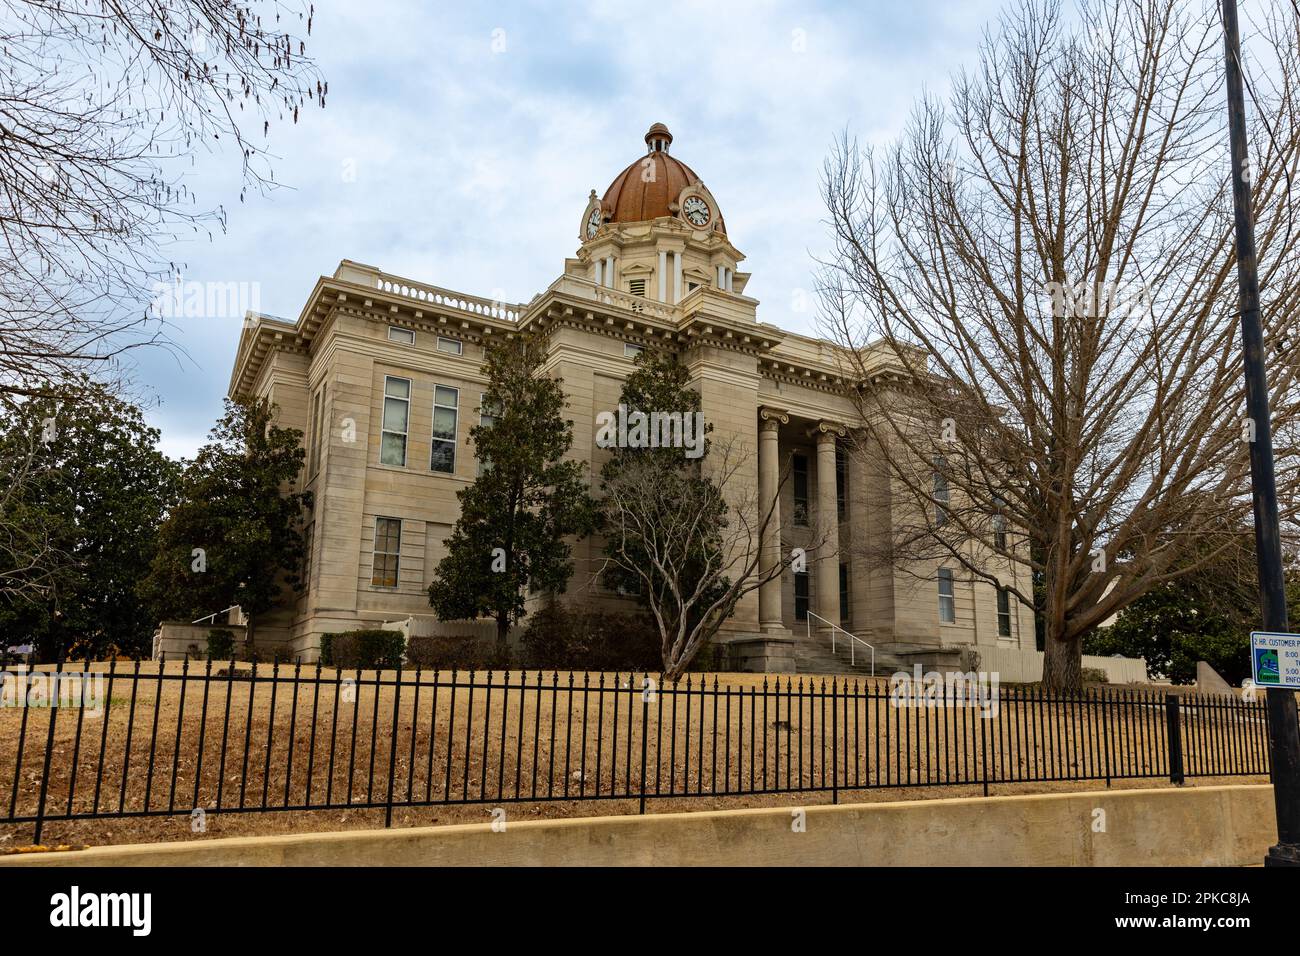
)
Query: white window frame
[
  {"x": 450, "y": 346},
  {"x": 946, "y": 576},
  {"x": 1004, "y": 597},
  {"x": 434, "y": 440},
  {"x": 632, "y": 350},
  {"x": 406, "y": 432},
  {"x": 318, "y": 415},
  {"x": 395, "y": 555},
  {"x": 942, "y": 492},
  {"x": 483, "y": 465},
  {"x": 406, "y": 336}
]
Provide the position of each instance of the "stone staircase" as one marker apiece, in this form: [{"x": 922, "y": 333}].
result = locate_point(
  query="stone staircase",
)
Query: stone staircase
[{"x": 813, "y": 655}]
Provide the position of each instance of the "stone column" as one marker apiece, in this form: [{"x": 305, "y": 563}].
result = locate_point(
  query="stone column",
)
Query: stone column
[
  {"x": 827, "y": 541},
  {"x": 769, "y": 486},
  {"x": 663, "y": 275}
]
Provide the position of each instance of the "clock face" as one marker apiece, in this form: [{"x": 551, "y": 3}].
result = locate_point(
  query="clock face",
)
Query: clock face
[
  {"x": 696, "y": 211},
  {"x": 593, "y": 223}
]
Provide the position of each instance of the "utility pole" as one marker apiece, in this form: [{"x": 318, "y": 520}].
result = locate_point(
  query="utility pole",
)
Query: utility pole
[{"x": 1284, "y": 731}]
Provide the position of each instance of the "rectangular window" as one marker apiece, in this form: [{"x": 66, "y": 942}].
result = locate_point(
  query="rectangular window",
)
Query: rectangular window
[
  {"x": 844, "y": 592},
  {"x": 1004, "y": 612},
  {"x": 487, "y": 417},
  {"x": 317, "y": 429},
  {"x": 451, "y": 346},
  {"x": 442, "y": 456},
  {"x": 306, "y": 558},
  {"x": 947, "y": 598},
  {"x": 632, "y": 351},
  {"x": 1000, "y": 527},
  {"x": 799, "y": 476},
  {"x": 387, "y": 553},
  {"x": 401, "y": 335},
  {"x": 397, "y": 415},
  {"x": 841, "y": 482},
  {"x": 636, "y": 287},
  {"x": 801, "y": 595},
  {"x": 941, "y": 495}
]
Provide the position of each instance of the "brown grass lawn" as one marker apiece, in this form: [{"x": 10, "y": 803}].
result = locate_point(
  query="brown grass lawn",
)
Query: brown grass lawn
[{"x": 331, "y": 742}]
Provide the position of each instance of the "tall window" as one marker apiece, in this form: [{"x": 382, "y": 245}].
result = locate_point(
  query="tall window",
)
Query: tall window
[
  {"x": 801, "y": 595},
  {"x": 799, "y": 474},
  {"x": 941, "y": 495},
  {"x": 1004, "y": 612},
  {"x": 487, "y": 417},
  {"x": 841, "y": 482},
  {"x": 397, "y": 416},
  {"x": 947, "y": 597},
  {"x": 317, "y": 429},
  {"x": 1000, "y": 526},
  {"x": 306, "y": 558},
  {"x": 387, "y": 553},
  {"x": 844, "y": 592},
  {"x": 442, "y": 456}
]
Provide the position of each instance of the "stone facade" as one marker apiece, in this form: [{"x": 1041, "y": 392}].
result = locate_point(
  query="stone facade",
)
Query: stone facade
[{"x": 366, "y": 340}]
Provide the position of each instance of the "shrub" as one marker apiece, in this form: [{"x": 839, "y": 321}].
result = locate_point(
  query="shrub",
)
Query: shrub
[
  {"x": 221, "y": 644},
  {"x": 454, "y": 652},
  {"x": 560, "y": 637},
  {"x": 1094, "y": 675},
  {"x": 368, "y": 648}
]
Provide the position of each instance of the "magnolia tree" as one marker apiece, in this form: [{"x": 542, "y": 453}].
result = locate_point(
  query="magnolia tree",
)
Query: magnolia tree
[{"x": 1043, "y": 267}]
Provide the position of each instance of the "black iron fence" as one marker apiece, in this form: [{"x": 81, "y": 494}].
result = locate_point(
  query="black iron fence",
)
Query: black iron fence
[{"x": 199, "y": 738}]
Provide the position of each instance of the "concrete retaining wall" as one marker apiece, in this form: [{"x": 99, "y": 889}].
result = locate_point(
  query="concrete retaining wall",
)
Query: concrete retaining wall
[{"x": 1195, "y": 826}]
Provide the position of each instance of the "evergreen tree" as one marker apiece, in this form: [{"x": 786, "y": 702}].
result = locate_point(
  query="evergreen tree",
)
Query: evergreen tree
[
  {"x": 526, "y": 500},
  {"x": 235, "y": 537},
  {"x": 86, "y": 480}
]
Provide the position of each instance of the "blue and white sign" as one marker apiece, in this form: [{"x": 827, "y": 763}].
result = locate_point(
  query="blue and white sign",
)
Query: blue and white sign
[{"x": 1275, "y": 659}]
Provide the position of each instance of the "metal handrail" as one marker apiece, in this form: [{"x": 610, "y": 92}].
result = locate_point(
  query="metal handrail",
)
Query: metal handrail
[
  {"x": 211, "y": 616},
  {"x": 853, "y": 638}
]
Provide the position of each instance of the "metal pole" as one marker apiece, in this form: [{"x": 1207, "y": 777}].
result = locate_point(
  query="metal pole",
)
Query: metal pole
[{"x": 1284, "y": 737}]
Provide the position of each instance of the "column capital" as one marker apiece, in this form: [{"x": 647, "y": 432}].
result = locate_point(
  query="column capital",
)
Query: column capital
[
  {"x": 827, "y": 431},
  {"x": 772, "y": 418}
]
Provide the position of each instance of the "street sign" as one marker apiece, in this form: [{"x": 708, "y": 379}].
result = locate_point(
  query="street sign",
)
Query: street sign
[{"x": 1275, "y": 659}]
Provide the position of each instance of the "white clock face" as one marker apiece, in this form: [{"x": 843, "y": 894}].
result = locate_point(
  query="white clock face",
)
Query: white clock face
[
  {"x": 696, "y": 211},
  {"x": 593, "y": 223}
]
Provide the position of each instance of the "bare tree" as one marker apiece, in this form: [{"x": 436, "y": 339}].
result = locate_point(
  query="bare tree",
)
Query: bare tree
[
  {"x": 103, "y": 104},
  {"x": 1044, "y": 269},
  {"x": 691, "y": 537}
]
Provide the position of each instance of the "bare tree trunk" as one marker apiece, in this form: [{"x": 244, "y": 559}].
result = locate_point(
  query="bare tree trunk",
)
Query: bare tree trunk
[
  {"x": 503, "y": 630},
  {"x": 1062, "y": 663}
]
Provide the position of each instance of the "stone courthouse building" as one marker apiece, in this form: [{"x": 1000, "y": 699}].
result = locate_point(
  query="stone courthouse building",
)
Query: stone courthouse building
[{"x": 384, "y": 377}]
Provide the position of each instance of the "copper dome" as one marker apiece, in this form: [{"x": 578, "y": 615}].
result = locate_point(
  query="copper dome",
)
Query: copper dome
[{"x": 649, "y": 187}]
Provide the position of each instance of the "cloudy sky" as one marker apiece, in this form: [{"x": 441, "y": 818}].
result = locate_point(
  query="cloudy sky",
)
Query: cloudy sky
[{"x": 460, "y": 141}]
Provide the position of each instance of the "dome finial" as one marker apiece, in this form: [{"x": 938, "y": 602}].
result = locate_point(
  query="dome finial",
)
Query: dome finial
[{"x": 658, "y": 139}]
